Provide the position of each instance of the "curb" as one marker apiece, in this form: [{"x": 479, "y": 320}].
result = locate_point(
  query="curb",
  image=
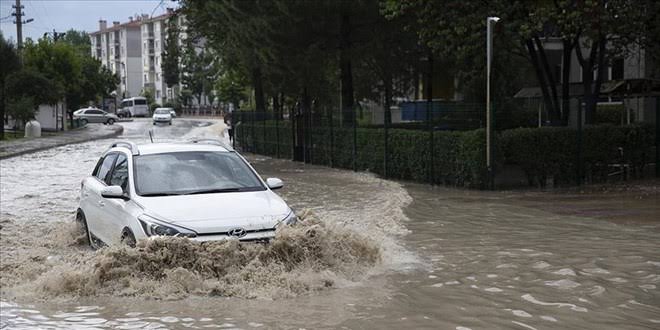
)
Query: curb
[{"x": 117, "y": 131}]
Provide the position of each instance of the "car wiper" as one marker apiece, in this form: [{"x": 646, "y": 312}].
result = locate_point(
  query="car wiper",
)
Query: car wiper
[
  {"x": 213, "y": 191},
  {"x": 161, "y": 194}
]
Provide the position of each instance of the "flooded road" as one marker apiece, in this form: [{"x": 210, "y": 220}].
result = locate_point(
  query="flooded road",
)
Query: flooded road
[{"x": 449, "y": 259}]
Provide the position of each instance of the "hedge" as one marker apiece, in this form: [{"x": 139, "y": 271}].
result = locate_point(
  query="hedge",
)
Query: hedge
[
  {"x": 459, "y": 157},
  {"x": 551, "y": 151}
]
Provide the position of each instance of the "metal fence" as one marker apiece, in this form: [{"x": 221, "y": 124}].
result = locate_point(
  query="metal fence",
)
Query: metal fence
[
  {"x": 362, "y": 140},
  {"x": 445, "y": 145}
]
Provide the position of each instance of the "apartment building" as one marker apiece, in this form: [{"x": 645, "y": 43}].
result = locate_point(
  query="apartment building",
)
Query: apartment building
[
  {"x": 133, "y": 50},
  {"x": 118, "y": 47},
  {"x": 154, "y": 36}
]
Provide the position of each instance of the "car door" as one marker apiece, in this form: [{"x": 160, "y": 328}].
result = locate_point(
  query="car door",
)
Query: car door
[
  {"x": 113, "y": 213},
  {"x": 95, "y": 116},
  {"x": 94, "y": 206}
]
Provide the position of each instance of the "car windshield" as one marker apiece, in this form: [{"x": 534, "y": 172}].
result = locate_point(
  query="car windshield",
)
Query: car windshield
[
  {"x": 162, "y": 111},
  {"x": 193, "y": 172}
]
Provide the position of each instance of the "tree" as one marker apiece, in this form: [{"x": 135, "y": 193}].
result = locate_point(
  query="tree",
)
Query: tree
[
  {"x": 8, "y": 63},
  {"x": 79, "y": 40},
  {"x": 171, "y": 53},
  {"x": 231, "y": 87},
  {"x": 26, "y": 89},
  {"x": 199, "y": 72}
]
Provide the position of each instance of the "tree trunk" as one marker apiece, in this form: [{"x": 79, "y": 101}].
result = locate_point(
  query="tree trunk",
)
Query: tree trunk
[
  {"x": 346, "y": 74},
  {"x": 387, "y": 115},
  {"x": 257, "y": 84},
  {"x": 2, "y": 114},
  {"x": 565, "y": 80},
  {"x": 276, "y": 106},
  {"x": 590, "y": 91},
  {"x": 554, "y": 112},
  {"x": 539, "y": 74}
]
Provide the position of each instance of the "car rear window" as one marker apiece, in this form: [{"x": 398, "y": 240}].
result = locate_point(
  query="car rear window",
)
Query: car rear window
[{"x": 140, "y": 102}]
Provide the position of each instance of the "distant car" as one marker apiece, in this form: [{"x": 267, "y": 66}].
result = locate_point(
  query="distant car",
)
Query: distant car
[
  {"x": 202, "y": 190},
  {"x": 94, "y": 115},
  {"x": 162, "y": 115},
  {"x": 173, "y": 113},
  {"x": 135, "y": 107}
]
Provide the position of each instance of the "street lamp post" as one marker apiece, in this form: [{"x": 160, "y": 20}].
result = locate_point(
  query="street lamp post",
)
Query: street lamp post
[{"x": 489, "y": 52}]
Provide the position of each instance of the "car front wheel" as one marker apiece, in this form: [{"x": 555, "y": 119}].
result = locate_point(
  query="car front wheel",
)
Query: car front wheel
[
  {"x": 82, "y": 222},
  {"x": 111, "y": 121},
  {"x": 83, "y": 122},
  {"x": 128, "y": 238}
]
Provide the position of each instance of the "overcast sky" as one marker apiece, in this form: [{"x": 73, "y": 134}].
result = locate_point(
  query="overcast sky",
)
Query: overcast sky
[{"x": 63, "y": 15}]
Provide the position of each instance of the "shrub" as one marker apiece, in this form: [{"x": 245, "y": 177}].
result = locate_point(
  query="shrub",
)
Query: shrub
[
  {"x": 551, "y": 151},
  {"x": 459, "y": 158}
]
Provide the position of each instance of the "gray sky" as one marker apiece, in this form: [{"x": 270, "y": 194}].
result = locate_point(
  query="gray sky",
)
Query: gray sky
[{"x": 63, "y": 15}]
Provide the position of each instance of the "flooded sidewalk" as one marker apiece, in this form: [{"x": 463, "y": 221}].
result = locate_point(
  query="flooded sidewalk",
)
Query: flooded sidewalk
[{"x": 88, "y": 133}]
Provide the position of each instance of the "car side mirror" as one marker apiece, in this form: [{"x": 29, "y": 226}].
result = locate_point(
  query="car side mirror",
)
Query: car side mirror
[
  {"x": 114, "y": 192},
  {"x": 274, "y": 183}
]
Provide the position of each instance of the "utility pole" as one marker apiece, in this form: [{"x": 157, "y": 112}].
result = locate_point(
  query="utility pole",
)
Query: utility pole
[{"x": 19, "y": 27}]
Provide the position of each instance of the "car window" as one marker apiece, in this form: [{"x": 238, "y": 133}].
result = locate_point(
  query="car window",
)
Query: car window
[
  {"x": 192, "y": 173},
  {"x": 93, "y": 112},
  {"x": 105, "y": 167},
  {"x": 140, "y": 102},
  {"x": 119, "y": 176}
]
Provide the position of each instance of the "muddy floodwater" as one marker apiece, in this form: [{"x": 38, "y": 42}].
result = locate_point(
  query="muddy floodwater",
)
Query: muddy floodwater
[{"x": 370, "y": 254}]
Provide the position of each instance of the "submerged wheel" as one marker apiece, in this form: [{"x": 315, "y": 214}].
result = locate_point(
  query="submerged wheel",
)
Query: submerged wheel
[
  {"x": 82, "y": 221},
  {"x": 83, "y": 122},
  {"x": 128, "y": 238},
  {"x": 111, "y": 121}
]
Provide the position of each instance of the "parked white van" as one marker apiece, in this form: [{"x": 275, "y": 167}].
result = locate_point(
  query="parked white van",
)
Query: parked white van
[{"x": 134, "y": 107}]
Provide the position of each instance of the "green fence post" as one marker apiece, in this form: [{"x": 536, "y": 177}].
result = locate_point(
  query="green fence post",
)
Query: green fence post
[
  {"x": 277, "y": 134},
  {"x": 332, "y": 140},
  {"x": 657, "y": 137},
  {"x": 354, "y": 140}
]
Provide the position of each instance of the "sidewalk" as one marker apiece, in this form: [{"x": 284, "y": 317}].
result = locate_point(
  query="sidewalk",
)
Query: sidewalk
[{"x": 88, "y": 133}]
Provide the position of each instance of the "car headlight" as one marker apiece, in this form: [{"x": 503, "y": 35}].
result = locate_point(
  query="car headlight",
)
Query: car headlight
[
  {"x": 155, "y": 227},
  {"x": 290, "y": 219}
]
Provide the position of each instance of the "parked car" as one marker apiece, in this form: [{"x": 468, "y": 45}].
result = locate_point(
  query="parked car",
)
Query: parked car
[
  {"x": 94, "y": 115},
  {"x": 202, "y": 190},
  {"x": 135, "y": 106},
  {"x": 162, "y": 115}
]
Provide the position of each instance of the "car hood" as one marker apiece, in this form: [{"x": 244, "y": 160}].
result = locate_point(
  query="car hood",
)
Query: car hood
[{"x": 219, "y": 212}]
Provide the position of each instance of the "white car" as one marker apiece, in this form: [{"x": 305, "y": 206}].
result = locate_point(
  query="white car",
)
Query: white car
[
  {"x": 162, "y": 115},
  {"x": 201, "y": 189}
]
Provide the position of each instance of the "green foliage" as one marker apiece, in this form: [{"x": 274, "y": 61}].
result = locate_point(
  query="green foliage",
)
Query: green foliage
[
  {"x": 8, "y": 63},
  {"x": 171, "y": 53},
  {"x": 232, "y": 87},
  {"x": 459, "y": 157},
  {"x": 551, "y": 151},
  {"x": 174, "y": 105},
  {"x": 22, "y": 109},
  {"x": 185, "y": 97},
  {"x": 30, "y": 84}
]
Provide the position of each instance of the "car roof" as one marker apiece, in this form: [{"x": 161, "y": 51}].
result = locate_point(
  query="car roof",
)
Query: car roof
[
  {"x": 167, "y": 147},
  {"x": 164, "y": 109}
]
